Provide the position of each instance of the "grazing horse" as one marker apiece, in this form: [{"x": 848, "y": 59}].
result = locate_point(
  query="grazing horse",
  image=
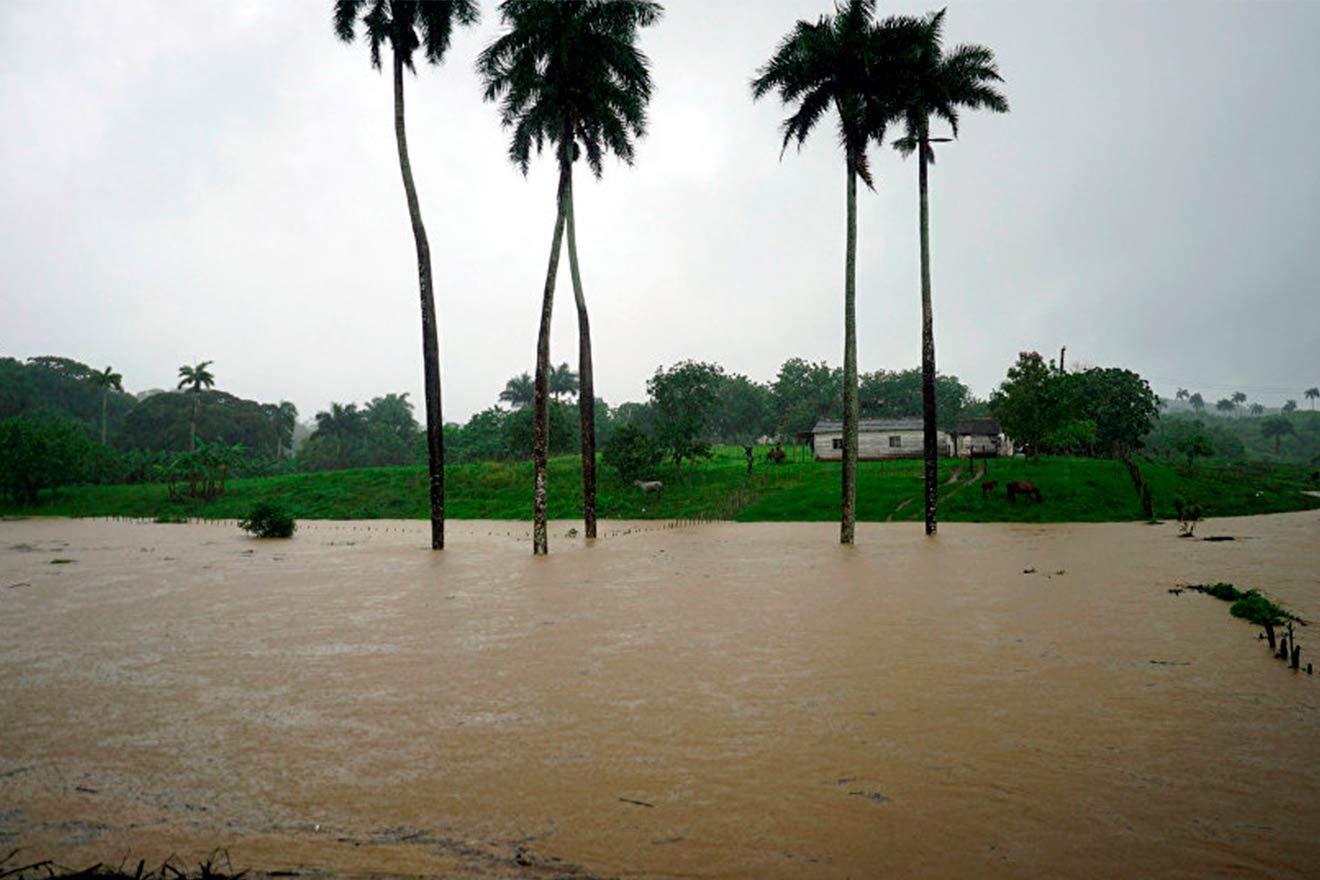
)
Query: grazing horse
[
  {"x": 988, "y": 486},
  {"x": 1024, "y": 488},
  {"x": 649, "y": 486}
]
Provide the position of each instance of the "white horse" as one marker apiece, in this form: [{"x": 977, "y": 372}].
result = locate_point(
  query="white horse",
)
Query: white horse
[{"x": 649, "y": 486}]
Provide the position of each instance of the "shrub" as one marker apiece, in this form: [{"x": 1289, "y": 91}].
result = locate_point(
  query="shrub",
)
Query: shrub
[
  {"x": 1252, "y": 607},
  {"x": 269, "y": 520},
  {"x": 629, "y": 451}
]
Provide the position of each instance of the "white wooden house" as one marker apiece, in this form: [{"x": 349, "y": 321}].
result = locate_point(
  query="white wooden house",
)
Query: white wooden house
[
  {"x": 876, "y": 439},
  {"x": 982, "y": 438}
]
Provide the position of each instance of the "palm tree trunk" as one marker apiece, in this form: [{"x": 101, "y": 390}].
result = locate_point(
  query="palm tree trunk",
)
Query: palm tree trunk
[
  {"x": 105, "y": 393},
  {"x": 192, "y": 422},
  {"x": 930, "y": 445},
  {"x": 540, "y": 425},
  {"x": 435, "y": 437},
  {"x": 847, "y": 525},
  {"x": 586, "y": 380}
]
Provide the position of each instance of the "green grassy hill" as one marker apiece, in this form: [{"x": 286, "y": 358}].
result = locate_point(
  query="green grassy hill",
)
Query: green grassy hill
[{"x": 1075, "y": 489}]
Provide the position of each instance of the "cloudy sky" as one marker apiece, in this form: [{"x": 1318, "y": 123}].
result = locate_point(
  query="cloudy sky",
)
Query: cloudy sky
[{"x": 208, "y": 180}]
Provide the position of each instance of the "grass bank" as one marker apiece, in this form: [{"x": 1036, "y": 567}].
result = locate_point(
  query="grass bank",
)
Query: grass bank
[{"x": 1074, "y": 489}]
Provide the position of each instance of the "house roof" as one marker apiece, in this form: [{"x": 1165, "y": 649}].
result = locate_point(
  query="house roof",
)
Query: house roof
[
  {"x": 980, "y": 426},
  {"x": 827, "y": 426}
]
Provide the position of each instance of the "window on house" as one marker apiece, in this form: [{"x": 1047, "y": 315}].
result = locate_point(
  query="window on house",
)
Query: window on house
[
  {"x": 896, "y": 442},
  {"x": 838, "y": 442}
]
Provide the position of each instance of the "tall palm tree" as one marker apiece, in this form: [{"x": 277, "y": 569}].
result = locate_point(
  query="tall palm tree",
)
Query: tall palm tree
[
  {"x": 569, "y": 73},
  {"x": 1238, "y": 398},
  {"x": 940, "y": 85},
  {"x": 106, "y": 380},
  {"x": 843, "y": 62},
  {"x": 1182, "y": 394},
  {"x": 1311, "y": 395},
  {"x": 519, "y": 391},
  {"x": 563, "y": 381},
  {"x": 407, "y": 25},
  {"x": 195, "y": 378}
]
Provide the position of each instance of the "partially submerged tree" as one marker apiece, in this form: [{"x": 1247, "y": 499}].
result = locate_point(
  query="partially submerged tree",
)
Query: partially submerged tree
[
  {"x": 195, "y": 378},
  {"x": 569, "y": 74},
  {"x": 406, "y": 26},
  {"x": 938, "y": 86},
  {"x": 106, "y": 380}
]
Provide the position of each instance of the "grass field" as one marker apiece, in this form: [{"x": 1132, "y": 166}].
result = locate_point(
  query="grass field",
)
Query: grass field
[{"x": 1075, "y": 490}]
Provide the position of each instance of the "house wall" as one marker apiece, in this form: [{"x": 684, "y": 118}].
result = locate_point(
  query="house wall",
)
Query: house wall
[
  {"x": 875, "y": 445},
  {"x": 983, "y": 445}
]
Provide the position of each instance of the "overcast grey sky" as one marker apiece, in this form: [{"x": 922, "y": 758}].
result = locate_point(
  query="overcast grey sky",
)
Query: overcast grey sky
[{"x": 207, "y": 180}]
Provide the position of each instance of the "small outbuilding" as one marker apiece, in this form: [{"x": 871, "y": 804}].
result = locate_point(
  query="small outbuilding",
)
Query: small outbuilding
[
  {"x": 877, "y": 439},
  {"x": 982, "y": 438}
]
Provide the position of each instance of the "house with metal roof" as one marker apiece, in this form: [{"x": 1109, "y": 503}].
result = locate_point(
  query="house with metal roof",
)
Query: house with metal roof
[{"x": 877, "y": 439}]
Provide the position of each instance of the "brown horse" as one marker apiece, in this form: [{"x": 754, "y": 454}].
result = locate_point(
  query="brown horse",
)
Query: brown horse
[
  {"x": 988, "y": 486},
  {"x": 1024, "y": 488}
]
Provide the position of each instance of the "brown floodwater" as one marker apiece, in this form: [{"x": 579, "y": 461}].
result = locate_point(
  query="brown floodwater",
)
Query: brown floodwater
[{"x": 715, "y": 700}]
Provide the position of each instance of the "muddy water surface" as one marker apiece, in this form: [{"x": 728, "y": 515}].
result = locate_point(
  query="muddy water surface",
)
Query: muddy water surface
[{"x": 709, "y": 701}]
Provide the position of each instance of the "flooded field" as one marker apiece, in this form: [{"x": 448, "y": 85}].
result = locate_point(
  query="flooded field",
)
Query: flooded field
[{"x": 701, "y": 701}]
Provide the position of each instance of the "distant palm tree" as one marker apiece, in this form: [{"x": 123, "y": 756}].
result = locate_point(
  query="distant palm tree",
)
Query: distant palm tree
[
  {"x": 519, "y": 391},
  {"x": 1257, "y": 409},
  {"x": 340, "y": 425},
  {"x": 407, "y": 25},
  {"x": 843, "y": 62},
  {"x": 1238, "y": 399},
  {"x": 940, "y": 86},
  {"x": 1276, "y": 428},
  {"x": 563, "y": 381},
  {"x": 195, "y": 378},
  {"x": 106, "y": 380},
  {"x": 1290, "y": 406},
  {"x": 1311, "y": 394},
  {"x": 1182, "y": 394},
  {"x": 569, "y": 73},
  {"x": 1225, "y": 405},
  {"x": 1197, "y": 401}
]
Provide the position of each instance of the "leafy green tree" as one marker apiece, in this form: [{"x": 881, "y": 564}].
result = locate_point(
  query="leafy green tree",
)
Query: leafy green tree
[
  {"x": 1197, "y": 402},
  {"x": 1257, "y": 409},
  {"x": 1075, "y": 438},
  {"x": 406, "y": 26},
  {"x": 639, "y": 415},
  {"x": 391, "y": 430},
  {"x": 938, "y": 86},
  {"x": 1119, "y": 401},
  {"x": 1239, "y": 398},
  {"x": 842, "y": 63},
  {"x": 685, "y": 397},
  {"x": 164, "y": 422},
  {"x": 802, "y": 394},
  {"x": 1027, "y": 404},
  {"x": 519, "y": 391},
  {"x": 195, "y": 378},
  {"x": 742, "y": 410},
  {"x": 285, "y": 419},
  {"x": 561, "y": 431},
  {"x": 1311, "y": 395},
  {"x": 1225, "y": 405},
  {"x": 1193, "y": 442},
  {"x": 1182, "y": 394},
  {"x": 1276, "y": 428},
  {"x": 482, "y": 438},
  {"x": 631, "y": 452},
  {"x": 107, "y": 380},
  {"x": 41, "y": 453},
  {"x": 569, "y": 73},
  {"x": 1290, "y": 406},
  {"x": 896, "y": 393}
]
